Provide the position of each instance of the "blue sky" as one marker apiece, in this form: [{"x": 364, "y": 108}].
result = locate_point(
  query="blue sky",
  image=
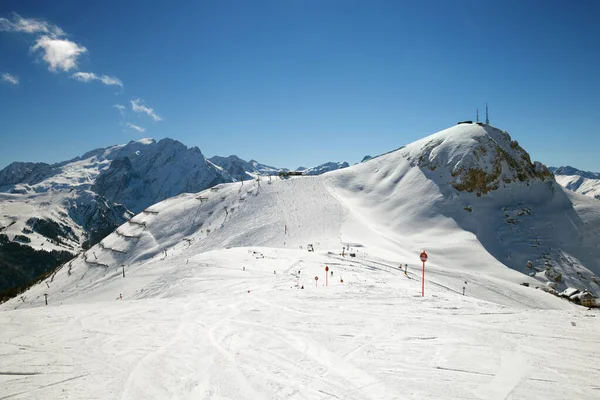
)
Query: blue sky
[{"x": 297, "y": 83}]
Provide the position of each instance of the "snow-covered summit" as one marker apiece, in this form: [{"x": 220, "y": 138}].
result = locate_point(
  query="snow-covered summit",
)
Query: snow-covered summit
[
  {"x": 475, "y": 158},
  {"x": 145, "y": 172}
]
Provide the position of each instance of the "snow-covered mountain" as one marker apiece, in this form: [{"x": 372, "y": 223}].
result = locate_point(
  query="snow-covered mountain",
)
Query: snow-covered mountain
[
  {"x": 224, "y": 264},
  {"x": 73, "y": 204},
  {"x": 102, "y": 185},
  {"x": 466, "y": 190},
  {"x": 584, "y": 182},
  {"x": 242, "y": 170},
  {"x": 323, "y": 168},
  {"x": 145, "y": 172}
]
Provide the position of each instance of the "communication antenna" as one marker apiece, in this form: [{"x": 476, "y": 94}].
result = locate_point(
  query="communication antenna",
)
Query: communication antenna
[
  {"x": 487, "y": 118},
  {"x": 477, "y": 114}
]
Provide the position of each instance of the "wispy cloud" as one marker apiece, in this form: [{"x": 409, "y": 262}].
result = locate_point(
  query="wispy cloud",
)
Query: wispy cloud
[
  {"x": 57, "y": 51},
  {"x": 90, "y": 76},
  {"x": 60, "y": 54},
  {"x": 30, "y": 25},
  {"x": 137, "y": 128},
  {"x": 121, "y": 108},
  {"x": 138, "y": 107},
  {"x": 6, "y": 77}
]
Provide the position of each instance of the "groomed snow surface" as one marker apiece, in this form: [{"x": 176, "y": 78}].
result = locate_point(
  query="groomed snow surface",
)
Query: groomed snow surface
[
  {"x": 213, "y": 307},
  {"x": 195, "y": 332}
]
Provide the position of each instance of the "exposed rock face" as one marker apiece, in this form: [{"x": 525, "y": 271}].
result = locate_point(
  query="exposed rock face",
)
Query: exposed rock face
[
  {"x": 237, "y": 168},
  {"x": 24, "y": 172},
  {"x": 479, "y": 162},
  {"x": 112, "y": 182},
  {"x": 97, "y": 215},
  {"x": 241, "y": 170},
  {"x": 143, "y": 174}
]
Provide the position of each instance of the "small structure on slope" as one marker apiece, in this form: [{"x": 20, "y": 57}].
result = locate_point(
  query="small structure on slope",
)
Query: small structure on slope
[{"x": 587, "y": 299}]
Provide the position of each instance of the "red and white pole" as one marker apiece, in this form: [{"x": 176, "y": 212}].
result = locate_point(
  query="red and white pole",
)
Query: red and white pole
[
  {"x": 326, "y": 276},
  {"x": 423, "y": 257},
  {"x": 423, "y": 281}
]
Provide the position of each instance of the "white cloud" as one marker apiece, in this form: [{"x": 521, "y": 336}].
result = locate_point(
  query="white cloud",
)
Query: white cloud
[
  {"x": 90, "y": 76},
  {"x": 30, "y": 25},
  {"x": 137, "y": 128},
  {"x": 121, "y": 108},
  {"x": 137, "y": 106},
  {"x": 60, "y": 54},
  {"x": 84, "y": 76},
  {"x": 111, "y": 80},
  {"x": 10, "y": 78}
]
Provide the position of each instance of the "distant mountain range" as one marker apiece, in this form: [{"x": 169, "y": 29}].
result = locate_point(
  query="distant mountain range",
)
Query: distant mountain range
[
  {"x": 584, "y": 182},
  {"x": 72, "y": 205}
]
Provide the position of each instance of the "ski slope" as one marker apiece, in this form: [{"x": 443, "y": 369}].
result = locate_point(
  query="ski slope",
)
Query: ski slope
[
  {"x": 202, "y": 327},
  {"x": 212, "y": 305}
]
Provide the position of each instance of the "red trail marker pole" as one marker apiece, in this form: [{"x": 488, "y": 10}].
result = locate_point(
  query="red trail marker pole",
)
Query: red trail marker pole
[
  {"x": 326, "y": 276},
  {"x": 423, "y": 257},
  {"x": 316, "y": 281}
]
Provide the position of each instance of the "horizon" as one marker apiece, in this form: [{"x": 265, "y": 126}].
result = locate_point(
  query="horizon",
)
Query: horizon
[
  {"x": 296, "y": 84},
  {"x": 351, "y": 163}
]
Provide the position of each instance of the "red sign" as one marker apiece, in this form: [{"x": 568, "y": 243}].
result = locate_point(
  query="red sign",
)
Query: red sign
[
  {"x": 423, "y": 256},
  {"x": 316, "y": 278},
  {"x": 326, "y": 268}
]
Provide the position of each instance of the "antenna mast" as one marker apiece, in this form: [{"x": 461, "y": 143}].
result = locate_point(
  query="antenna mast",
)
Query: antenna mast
[
  {"x": 487, "y": 118},
  {"x": 478, "y": 114}
]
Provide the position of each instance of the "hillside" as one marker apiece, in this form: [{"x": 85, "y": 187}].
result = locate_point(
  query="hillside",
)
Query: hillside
[
  {"x": 212, "y": 307},
  {"x": 583, "y": 182},
  {"x": 512, "y": 214},
  {"x": 72, "y": 205}
]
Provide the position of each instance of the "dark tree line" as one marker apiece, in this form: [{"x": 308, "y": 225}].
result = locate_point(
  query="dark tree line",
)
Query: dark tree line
[{"x": 21, "y": 266}]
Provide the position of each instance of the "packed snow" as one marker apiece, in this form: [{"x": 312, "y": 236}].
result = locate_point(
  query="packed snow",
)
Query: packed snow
[{"x": 219, "y": 298}]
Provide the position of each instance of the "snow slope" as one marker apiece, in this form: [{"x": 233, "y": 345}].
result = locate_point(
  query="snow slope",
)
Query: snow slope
[
  {"x": 70, "y": 205},
  {"x": 583, "y": 182},
  {"x": 211, "y": 306}
]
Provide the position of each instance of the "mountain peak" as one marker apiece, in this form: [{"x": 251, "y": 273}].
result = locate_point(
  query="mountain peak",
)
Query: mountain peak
[
  {"x": 475, "y": 157},
  {"x": 584, "y": 182},
  {"x": 144, "y": 141},
  {"x": 568, "y": 170}
]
